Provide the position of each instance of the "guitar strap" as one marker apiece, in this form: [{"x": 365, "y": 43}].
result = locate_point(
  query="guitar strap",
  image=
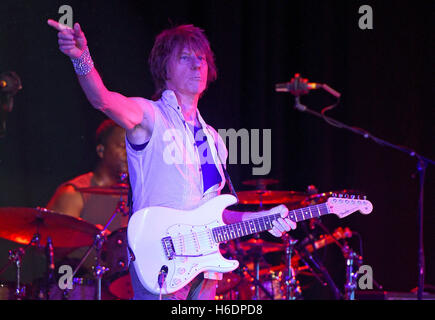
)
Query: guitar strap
[
  {"x": 227, "y": 177},
  {"x": 129, "y": 199}
]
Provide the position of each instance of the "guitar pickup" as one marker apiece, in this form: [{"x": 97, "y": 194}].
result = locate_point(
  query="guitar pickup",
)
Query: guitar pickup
[{"x": 168, "y": 247}]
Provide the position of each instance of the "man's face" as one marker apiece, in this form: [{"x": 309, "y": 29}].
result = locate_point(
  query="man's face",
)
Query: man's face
[
  {"x": 187, "y": 72},
  {"x": 114, "y": 155}
]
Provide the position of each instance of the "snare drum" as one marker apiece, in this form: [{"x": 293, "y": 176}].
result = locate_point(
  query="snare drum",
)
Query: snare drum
[{"x": 116, "y": 258}]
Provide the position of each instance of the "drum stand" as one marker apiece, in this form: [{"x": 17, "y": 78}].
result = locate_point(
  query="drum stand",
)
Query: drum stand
[
  {"x": 257, "y": 257},
  {"x": 256, "y": 279},
  {"x": 352, "y": 259},
  {"x": 293, "y": 290},
  {"x": 16, "y": 256},
  {"x": 99, "y": 270},
  {"x": 257, "y": 284}
]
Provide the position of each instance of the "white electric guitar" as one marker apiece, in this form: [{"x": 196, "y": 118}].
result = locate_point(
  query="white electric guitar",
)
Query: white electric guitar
[{"x": 182, "y": 244}]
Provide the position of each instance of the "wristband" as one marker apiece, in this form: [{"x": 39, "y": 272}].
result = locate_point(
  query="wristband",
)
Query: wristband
[{"x": 83, "y": 64}]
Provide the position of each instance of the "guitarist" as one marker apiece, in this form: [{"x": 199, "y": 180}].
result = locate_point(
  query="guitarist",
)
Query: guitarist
[{"x": 174, "y": 158}]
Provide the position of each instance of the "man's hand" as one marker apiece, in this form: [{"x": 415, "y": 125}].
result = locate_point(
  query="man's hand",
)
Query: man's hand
[
  {"x": 72, "y": 42},
  {"x": 283, "y": 224}
]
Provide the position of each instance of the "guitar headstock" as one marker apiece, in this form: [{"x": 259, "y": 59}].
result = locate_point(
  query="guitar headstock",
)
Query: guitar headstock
[{"x": 344, "y": 206}]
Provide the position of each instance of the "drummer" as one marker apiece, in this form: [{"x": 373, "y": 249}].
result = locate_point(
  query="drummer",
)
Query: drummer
[
  {"x": 112, "y": 163},
  {"x": 95, "y": 208}
]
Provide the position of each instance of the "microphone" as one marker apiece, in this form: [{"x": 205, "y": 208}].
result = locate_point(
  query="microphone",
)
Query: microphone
[{"x": 299, "y": 86}]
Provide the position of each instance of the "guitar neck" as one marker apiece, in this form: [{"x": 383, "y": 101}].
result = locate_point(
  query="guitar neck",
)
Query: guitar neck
[{"x": 264, "y": 223}]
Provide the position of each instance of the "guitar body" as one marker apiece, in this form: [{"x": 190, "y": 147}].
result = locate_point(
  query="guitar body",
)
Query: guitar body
[{"x": 180, "y": 240}]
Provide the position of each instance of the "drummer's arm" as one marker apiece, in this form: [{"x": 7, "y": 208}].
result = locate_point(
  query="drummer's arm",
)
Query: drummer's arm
[{"x": 67, "y": 201}]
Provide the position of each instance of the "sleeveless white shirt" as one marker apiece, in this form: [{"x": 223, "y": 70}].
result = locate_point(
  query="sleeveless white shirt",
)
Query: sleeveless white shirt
[{"x": 168, "y": 171}]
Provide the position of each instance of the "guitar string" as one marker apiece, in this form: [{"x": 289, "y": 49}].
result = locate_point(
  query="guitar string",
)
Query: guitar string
[
  {"x": 300, "y": 214},
  {"x": 187, "y": 240},
  {"x": 248, "y": 225},
  {"x": 227, "y": 230}
]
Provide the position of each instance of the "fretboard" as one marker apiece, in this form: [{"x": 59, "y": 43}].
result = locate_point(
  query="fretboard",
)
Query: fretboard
[{"x": 264, "y": 223}]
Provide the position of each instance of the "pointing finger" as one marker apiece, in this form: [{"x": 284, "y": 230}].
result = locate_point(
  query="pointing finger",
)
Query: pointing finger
[{"x": 58, "y": 26}]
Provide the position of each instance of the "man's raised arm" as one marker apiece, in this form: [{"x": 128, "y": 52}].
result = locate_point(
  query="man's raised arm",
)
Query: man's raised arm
[{"x": 133, "y": 114}]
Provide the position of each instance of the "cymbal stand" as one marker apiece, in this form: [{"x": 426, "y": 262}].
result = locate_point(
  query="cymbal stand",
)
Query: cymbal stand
[
  {"x": 257, "y": 284},
  {"x": 257, "y": 256},
  {"x": 16, "y": 256},
  {"x": 293, "y": 290},
  {"x": 352, "y": 259},
  {"x": 99, "y": 270},
  {"x": 256, "y": 281}
]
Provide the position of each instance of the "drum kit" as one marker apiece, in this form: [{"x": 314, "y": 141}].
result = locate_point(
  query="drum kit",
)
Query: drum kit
[
  {"x": 55, "y": 235},
  {"x": 256, "y": 279}
]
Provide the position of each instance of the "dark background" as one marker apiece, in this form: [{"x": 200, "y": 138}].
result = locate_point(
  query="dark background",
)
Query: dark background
[{"x": 385, "y": 76}]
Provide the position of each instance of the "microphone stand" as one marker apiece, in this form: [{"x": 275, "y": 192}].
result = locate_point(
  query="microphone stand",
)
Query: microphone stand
[{"x": 422, "y": 163}]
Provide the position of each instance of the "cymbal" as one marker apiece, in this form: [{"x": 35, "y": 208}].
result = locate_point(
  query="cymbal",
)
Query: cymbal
[
  {"x": 260, "y": 183},
  {"x": 323, "y": 197},
  {"x": 264, "y": 246},
  {"x": 117, "y": 189},
  {"x": 270, "y": 197},
  {"x": 20, "y": 224}
]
